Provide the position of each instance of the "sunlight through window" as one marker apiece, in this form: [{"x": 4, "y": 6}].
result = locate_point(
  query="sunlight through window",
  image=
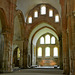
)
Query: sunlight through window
[
  {"x": 47, "y": 51},
  {"x": 30, "y": 20},
  {"x": 36, "y": 14},
  {"x": 42, "y": 40},
  {"x": 55, "y": 52},
  {"x": 53, "y": 40},
  {"x": 43, "y": 9},
  {"x": 39, "y": 52},
  {"x": 56, "y": 18},
  {"x": 50, "y": 13},
  {"x": 47, "y": 39}
]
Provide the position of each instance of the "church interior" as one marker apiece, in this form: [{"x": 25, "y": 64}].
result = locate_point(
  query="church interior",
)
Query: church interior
[{"x": 37, "y": 34}]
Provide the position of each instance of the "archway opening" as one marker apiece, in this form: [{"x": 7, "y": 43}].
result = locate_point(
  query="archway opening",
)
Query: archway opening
[
  {"x": 16, "y": 57},
  {"x": 42, "y": 36}
]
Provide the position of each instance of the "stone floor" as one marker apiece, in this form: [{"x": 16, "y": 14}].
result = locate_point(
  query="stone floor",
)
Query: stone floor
[{"x": 36, "y": 72}]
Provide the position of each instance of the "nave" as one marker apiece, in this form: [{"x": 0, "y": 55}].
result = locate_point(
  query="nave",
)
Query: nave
[{"x": 37, "y": 33}]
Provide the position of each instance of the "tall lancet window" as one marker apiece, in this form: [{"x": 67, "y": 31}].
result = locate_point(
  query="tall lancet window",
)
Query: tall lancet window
[
  {"x": 47, "y": 39},
  {"x": 47, "y": 52},
  {"x": 36, "y": 14},
  {"x": 42, "y": 40},
  {"x": 56, "y": 18},
  {"x": 50, "y": 13},
  {"x": 53, "y": 40},
  {"x": 55, "y": 52},
  {"x": 43, "y": 10},
  {"x": 30, "y": 20},
  {"x": 39, "y": 52}
]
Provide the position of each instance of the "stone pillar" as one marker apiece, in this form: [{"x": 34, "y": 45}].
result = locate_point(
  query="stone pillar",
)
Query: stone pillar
[
  {"x": 69, "y": 30},
  {"x": 25, "y": 52},
  {"x": 65, "y": 38},
  {"x": 73, "y": 40},
  {"x": 21, "y": 54},
  {"x": 60, "y": 52},
  {"x": 1, "y": 51},
  {"x": 7, "y": 55},
  {"x": 33, "y": 55},
  {"x": 65, "y": 54}
]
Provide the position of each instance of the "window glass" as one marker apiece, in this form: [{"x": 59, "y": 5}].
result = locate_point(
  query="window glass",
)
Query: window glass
[
  {"x": 39, "y": 52},
  {"x": 30, "y": 20},
  {"x": 50, "y": 13},
  {"x": 47, "y": 39},
  {"x": 47, "y": 51},
  {"x": 53, "y": 40},
  {"x": 43, "y": 9},
  {"x": 36, "y": 14},
  {"x": 56, "y": 18},
  {"x": 42, "y": 40},
  {"x": 56, "y": 52}
]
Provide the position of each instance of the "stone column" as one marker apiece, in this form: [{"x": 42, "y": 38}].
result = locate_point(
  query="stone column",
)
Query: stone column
[
  {"x": 69, "y": 30},
  {"x": 7, "y": 55},
  {"x": 65, "y": 38},
  {"x": 65, "y": 54},
  {"x": 60, "y": 52},
  {"x": 21, "y": 55},
  {"x": 1, "y": 50},
  {"x": 25, "y": 52},
  {"x": 73, "y": 40}
]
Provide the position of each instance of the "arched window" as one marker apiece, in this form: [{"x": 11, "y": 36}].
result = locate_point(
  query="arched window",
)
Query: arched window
[
  {"x": 47, "y": 39},
  {"x": 30, "y": 20},
  {"x": 50, "y": 13},
  {"x": 56, "y": 18},
  {"x": 42, "y": 40},
  {"x": 55, "y": 52},
  {"x": 43, "y": 10},
  {"x": 36, "y": 14},
  {"x": 39, "y": 52},
  {"x": 47, "y": 52},
  {"x": 53, "y": 40}
]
